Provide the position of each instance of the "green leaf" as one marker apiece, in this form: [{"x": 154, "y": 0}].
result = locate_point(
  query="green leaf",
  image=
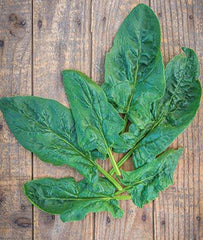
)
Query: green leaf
[
  {"x": 134, "y": 71},
  {"x": 176, "y": 109},
  {"x": 98, "y": 124},
  {"x": 46, "y": 128},
  {"x": 145, "y": 183},
  {"x": 71, "y": 199}
]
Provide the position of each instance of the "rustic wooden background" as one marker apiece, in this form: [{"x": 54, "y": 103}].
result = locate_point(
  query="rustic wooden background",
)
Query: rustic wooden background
[{"x": 39, "y": 38}]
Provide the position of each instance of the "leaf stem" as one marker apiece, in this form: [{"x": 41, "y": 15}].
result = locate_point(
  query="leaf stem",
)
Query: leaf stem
[
  {"x": 131, "y": 95},
  {"x": 122, "y": 197},
  {"x": 123, "y": 190},
  {"x": 115, "y": 167},
  {"x": 128, "y": 154},
  {"x": 136, "y": 183},
  {"x": 109, "y": 177},
  {"x": 126, "y": 122},
  {"x": 122, "y": 161}
]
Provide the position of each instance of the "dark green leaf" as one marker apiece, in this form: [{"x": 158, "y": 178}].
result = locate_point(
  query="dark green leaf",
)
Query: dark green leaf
[
  {"x": 71, "y": 199},
  {"x": 176, "y": 110},
  {"x": 134, "y": 71},
  {"x": 145, "y": 183},
  {"x": 98, "y": 124},
  {"x": 46, "y": 128}
]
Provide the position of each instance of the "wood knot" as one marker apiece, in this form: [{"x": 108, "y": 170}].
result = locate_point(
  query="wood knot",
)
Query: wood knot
[
  {"x": 16, "y": 21},
  {"x": 12, "y": 33},
  {"x": 1, "y": 43},
  {"x": 104, "y": 19},
  {"x": 39, "y": 24},
  {"x": 191, "y": 17},
  {"x": 144, "y": 217},
  {"x": 49, "y": 219},
  {"x": 163, "y": 222},
  {"x": 16, "y": 25},
  {"x": 12, "y": 17},
  {"x": 23, "y": 222},
  {"x": 1, "y": 126},
  {"x": 108, "y": 220}
]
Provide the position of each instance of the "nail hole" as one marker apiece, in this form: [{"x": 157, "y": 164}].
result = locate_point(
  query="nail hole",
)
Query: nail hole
[
  {"x": 198, "y": 218},
  {"x": 163, "y": 222},
  {"x": 22, "y": 23},
  {"x": 160, "y": 14},
  {"x": 144, "y": 217},
  {"x": 108, "y": 220},
  {"x": 78, "y": 21},
  {"x": 39, "y": 24},
  {"x": 1, "y": 45},
  {"x": 23, "y": 207}
]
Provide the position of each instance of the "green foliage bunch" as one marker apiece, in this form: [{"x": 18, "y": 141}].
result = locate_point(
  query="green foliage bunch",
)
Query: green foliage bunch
[{"x": 156, "y": 105}]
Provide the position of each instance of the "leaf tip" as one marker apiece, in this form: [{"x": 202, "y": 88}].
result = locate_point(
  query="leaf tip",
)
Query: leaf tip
[{"x": 63, "y": 218}]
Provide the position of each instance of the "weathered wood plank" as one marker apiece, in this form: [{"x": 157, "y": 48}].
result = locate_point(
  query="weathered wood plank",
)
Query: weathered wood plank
[
  {"x": 198, "y": 35},
  {"x": 61, "y": 40},
  {"x": 15, "y": 78},
  {"x": 177, "y": 210},
  {"x": 136, "y": 223}
]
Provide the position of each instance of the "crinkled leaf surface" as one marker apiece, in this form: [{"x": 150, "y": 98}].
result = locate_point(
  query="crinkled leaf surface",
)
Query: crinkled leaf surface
[
  {"x": 146, "y": 182},
  {"x": 176, "y": 110},
  {"x": 98, "y": 124},
  {"x": 71, "y": 199},
  {"x": 46, "y": 128},
  {"x": 134, "y": 71}
]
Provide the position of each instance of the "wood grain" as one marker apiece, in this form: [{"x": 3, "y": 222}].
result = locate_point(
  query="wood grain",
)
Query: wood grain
[
  {"x": 177, "y": 210},
  {"x": 61, "y": 39},
  {"x": 15, "y": 78},
  {"x": 198, "y": 136}
]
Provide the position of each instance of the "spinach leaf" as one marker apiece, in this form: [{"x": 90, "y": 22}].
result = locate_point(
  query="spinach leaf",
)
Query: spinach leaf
[
  {"x": 46, "y": 128},
  {"x": 145, "y": 183},
  {"x": 71, "y": 199},
  {"x": 176, "y": 110},
  {"x": 134, "y": 71},
  {"x": 97, "y": 123}
]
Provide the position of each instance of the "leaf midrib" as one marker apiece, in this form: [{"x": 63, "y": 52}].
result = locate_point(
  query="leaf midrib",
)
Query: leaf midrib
[
  {"x": 95, "y": 112},
  {"x": 79, "y": 199},
  {"x": 68, "y": 143},
  {"x": 145, "y": 179},
  {"x": 133, "y": 86},
  {"x": 162, "y": 117}
]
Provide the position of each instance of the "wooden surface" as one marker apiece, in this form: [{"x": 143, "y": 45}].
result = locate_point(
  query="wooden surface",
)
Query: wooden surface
[{"x": 38, "y": 39}]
